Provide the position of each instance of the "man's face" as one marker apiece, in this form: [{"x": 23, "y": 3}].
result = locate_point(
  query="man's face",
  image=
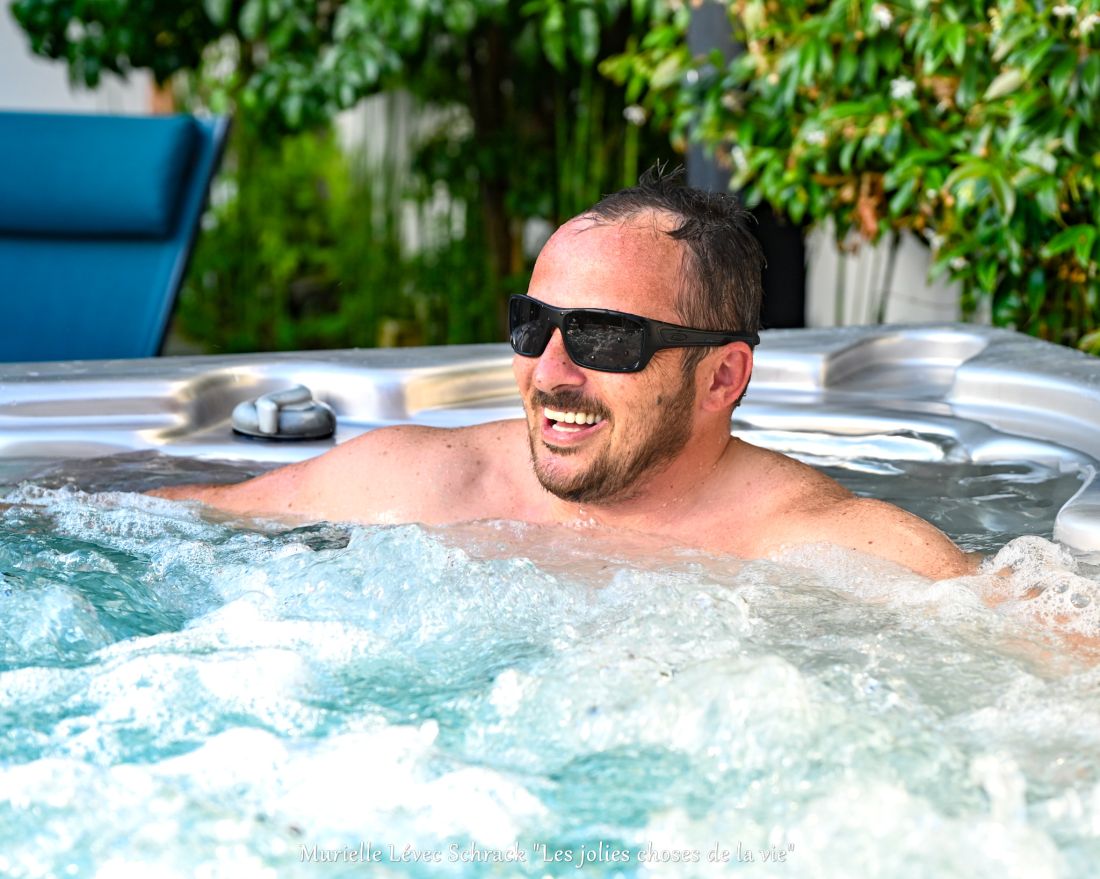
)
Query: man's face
[{"x": 596, "y": 436}]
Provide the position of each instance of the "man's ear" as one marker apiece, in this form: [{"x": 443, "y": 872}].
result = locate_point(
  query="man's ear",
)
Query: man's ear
[{"x": 726, "y": 374}]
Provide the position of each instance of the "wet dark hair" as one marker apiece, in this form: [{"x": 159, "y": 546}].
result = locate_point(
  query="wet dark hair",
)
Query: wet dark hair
[{"x": 721, "y": 271}]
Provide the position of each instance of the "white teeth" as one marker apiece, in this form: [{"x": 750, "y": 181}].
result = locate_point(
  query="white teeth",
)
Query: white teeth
[{"x": 571, "y": 417}]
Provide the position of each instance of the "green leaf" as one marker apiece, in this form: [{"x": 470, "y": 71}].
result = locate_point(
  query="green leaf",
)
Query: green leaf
[
  {"x": 1046, "y": 198},
  {"x": 1062, "y": 75},
  {"x": 217, "y": 11},
  {"x": 1004, "y": 194},
  {"x": 1036, "y": 55},
  {"x": 1090, "y": 76},
  {"x": 903, "y": 198},
  {"x": 850, "y": 111},
  {"x": 459, "y": 16},
  {"x": 920, "y": 158},
  {"x": 869, "y": 147},
  {"x": 1087, "y": 111},
  {"x": 969, "y": 169},
  {"x": 1005, "y": 83},
  {"x": 1090, "y": 342},
  {"x": 1039, "y": 156},
  {"x": 986, "y": 273},
  {"x": 553, "y": 37},
  {"x": 251, "y": 20},
  {"x": 954, "y": 41},
  {"x": 1012, "y": 37},
  {"x": 870, "y": 68},
  {"x": 1036, "y": 292},
  {"x": 847, "y": 67},
  {"x": 1083, "y": 245},
  {"x": 972, "y": 80},
  {"x": 1078, "y": 237},
  {"x": 667, "y": 73},
  {"x": 846, "y": 154},
  {"x": 292, "y": 109},
  {"x": 892, "y": 141},
  {"x": 754, "y": 15},
  {"x": 807, "y": 62},
  {"x": 1006, "y": 310},
  {"x": 586, "y": 36},
  {"x": 1069, "y": 136},
  {"x": 825, "y": 62},
  {"x": 796, "y": 210}
]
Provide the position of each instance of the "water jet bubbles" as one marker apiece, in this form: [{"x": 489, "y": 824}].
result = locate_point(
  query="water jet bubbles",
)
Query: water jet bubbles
[
  {"x": 1059, "y": 600},
  {"x": 507, "y": 692},
  {"x": 496, "y": 682},
  {"x": 1004, "y": 785},
  {"x": 1031, "y": 554},
  {"x": 47, "y": 624}
]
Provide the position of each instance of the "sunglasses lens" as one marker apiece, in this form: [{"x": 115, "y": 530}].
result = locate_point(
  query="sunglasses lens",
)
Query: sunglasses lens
[
  {"x": 611, "y": 342},
  {"x": 529, "y": 329},
  {"x": 604, "y": 341}
]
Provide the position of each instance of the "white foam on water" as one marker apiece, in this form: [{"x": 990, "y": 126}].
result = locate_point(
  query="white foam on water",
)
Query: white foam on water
[
  {"x": 860, "y": 828},
  {"x": 505, "y": 685},
  {"x": 49, "y": 623},
  {"x": 1036, "y": 581}
]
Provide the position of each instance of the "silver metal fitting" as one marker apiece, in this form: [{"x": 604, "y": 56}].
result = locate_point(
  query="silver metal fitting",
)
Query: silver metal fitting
[{"x": 289, "y": 414}]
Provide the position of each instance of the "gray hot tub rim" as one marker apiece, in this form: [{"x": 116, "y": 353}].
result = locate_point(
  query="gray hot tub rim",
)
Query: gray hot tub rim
[{"x": 988, "y": 395}]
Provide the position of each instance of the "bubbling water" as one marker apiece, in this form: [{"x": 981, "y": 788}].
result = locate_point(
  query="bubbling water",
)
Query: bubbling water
[{"x": 185, "y": 696}]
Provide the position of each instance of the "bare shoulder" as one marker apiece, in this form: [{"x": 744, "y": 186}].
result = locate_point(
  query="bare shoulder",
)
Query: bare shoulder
[
  {"x": 881, "y": 529},
  {"x": 402, "y": 473},
  {"x": 805, "y": 506}
]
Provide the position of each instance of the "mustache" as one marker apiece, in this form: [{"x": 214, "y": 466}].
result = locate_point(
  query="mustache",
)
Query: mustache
[{"x": 569, "y": 401}]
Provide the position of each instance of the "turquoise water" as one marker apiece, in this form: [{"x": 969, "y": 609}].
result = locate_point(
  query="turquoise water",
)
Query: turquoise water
[{"x": 182, "y": 696}]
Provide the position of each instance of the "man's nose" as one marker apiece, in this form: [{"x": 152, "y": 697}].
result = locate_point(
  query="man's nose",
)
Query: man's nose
[{"x": 555, "y": 369}]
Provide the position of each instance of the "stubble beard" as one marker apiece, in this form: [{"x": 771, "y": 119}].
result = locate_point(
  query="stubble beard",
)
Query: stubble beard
[{"x": 614, "y": 475}]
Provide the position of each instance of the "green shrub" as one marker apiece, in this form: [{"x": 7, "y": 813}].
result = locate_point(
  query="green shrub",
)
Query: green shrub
[
  {"x": 973, "y": 125},
  {"x": 303, "y": 249}
]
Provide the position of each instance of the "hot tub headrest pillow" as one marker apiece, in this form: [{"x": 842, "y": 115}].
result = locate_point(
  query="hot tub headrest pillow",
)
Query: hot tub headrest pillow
[{"x": 110, "y": 176}]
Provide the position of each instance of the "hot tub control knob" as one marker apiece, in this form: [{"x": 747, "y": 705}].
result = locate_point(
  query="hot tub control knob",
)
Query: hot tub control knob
[{"x": 289, "y": 414}]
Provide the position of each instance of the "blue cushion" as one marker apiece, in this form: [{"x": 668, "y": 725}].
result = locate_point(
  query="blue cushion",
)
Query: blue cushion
[
  {"x": 87, "y": 299},
  {"x": 100, "y": 295},
  {"x": 140, "y": 166}
]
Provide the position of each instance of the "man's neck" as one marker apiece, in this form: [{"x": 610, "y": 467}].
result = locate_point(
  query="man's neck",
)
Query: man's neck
[{"x": 668, "y": 494}]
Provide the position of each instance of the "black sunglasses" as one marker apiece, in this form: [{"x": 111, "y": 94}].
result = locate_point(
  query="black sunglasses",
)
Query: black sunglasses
[{"x": 609, "y": 341}]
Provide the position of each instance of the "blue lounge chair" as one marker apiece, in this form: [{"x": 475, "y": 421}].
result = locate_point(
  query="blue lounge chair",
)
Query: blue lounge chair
[{"x": 98, "y": 215}]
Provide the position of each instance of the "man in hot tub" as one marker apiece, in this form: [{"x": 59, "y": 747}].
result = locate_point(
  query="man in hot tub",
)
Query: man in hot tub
[{"x": 633, "y": 345}]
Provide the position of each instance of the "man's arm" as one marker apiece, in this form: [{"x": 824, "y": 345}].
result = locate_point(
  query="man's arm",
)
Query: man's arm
[
  {"x": 372, "y": 478},
  {"x": 281, "y": 492}
]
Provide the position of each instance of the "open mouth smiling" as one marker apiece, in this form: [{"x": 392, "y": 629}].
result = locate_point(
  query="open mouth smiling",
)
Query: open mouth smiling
[{"x": 569, "y": 424}]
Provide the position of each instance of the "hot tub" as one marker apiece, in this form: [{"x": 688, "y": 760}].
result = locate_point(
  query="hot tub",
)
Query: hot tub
[
  {"x": 181, "y": 694},
  {"x": 985, "y": 394}
]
